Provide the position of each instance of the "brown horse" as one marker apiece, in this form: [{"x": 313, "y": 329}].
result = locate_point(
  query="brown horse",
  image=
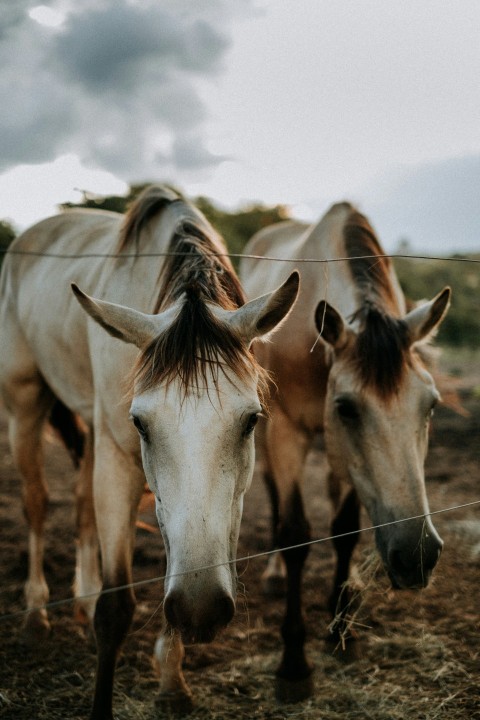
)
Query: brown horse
[
  {"x": 164, "y": 380},
  {"x": 348, "y": 363}
]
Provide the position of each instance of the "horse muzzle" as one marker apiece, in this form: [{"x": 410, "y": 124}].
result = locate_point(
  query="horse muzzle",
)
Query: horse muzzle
[
  {"x": 410, "y": 557},
  {"x": 198, "y": 619}
]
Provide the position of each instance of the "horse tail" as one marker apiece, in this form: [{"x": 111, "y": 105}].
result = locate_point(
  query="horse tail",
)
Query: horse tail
[{"x": 70, "y": 429}]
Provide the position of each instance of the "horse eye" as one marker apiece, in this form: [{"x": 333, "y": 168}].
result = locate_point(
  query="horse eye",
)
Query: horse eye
[
  {"x": 347, "y": 409},
  {"x": 252, "y": 421},
  {"x": 142, "y": 430}
]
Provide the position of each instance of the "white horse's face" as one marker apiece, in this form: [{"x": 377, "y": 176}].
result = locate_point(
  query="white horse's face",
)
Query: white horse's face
[
  {"x": 197, "y": 443},
  {"x": 198, "y": 457},
  {"x": 378, "y": 441}
]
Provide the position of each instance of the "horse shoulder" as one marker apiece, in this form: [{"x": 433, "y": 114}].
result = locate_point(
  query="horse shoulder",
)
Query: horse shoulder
[{"x": 299, "y": 374}]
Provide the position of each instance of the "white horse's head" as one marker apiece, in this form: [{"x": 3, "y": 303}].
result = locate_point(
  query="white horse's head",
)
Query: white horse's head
[
  {"x": 379, "y": 403},
  {"x": 196, "y": 400}
]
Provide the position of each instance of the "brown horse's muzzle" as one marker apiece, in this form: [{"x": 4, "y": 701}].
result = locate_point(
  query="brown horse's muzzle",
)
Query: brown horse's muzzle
[{"x": 409, "y": 551}]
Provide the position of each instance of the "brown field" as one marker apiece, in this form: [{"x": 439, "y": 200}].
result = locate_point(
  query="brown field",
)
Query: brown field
[{"x": 417, "y": 655}]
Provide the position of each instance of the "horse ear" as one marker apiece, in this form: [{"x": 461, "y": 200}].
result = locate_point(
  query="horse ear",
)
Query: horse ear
[
  {"x": 330, "y": 325},
  {"x": 261, "y": 316},
  {"x": 424, "y": 320},
  {"x": 124, "y": 323}
]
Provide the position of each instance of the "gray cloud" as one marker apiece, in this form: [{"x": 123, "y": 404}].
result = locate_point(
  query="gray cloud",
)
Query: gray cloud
[
  {"x": 115, "y": 84},
  {"x": 189, "y": 152},
  {"x": 118, "y": 46},
  {"x": 12, "y": 14}
]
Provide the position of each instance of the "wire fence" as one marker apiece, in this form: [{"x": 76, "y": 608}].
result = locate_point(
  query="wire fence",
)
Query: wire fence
[
  {"x": 135, "y": 255},
  {"x": 246, "y": 558}
]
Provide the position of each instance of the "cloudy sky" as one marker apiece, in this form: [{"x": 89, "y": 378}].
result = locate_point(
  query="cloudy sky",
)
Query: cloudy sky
[{"x": 301, "y": 102}]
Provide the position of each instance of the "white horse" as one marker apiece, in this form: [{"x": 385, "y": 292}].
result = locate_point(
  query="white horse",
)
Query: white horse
[
  {"x": 351, "y": 367},
  {"x": 180, "y": 412}
]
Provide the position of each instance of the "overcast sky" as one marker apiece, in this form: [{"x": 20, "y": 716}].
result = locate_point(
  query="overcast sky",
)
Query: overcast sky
[{"x": 301, "y": 102}]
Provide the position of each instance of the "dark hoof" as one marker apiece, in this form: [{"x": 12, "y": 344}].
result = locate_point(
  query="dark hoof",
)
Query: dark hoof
[
  {"x": 37, "y": 628},
  {"x": 293, "y": 691},
  {"x": 176, "y": 704}
]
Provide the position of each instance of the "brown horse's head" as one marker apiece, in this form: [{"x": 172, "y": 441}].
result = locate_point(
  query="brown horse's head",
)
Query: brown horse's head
[{"x": 380, "y": 398}]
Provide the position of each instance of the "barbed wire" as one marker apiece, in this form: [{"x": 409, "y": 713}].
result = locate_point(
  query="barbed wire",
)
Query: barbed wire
[{"x": 246, "y": 558}]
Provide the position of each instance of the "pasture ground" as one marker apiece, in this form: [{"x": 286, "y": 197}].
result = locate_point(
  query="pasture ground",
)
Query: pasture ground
[{"x": 417, "y": 656}]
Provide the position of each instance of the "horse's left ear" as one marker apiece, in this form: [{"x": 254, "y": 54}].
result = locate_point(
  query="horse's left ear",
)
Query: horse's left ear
[
  {"x": 261, "y": 316},
  {"x": 424, "y": 320}
]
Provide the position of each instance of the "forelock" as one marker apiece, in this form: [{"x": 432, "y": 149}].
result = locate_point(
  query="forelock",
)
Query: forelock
[{"x": 381, "y": 352}]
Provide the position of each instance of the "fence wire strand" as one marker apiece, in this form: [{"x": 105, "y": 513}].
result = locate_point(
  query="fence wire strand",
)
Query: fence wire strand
[
  {"x": 271, "y": 258},
  {"x": 245, "y": 558}
]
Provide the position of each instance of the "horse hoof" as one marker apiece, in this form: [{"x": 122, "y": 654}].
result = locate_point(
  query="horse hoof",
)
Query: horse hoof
[
  {"x": 37, "y": 628},
  {"x": 177, "y": 704},
  {"x": 293, "y": 691},
  {"x": 274, "y": 585}
]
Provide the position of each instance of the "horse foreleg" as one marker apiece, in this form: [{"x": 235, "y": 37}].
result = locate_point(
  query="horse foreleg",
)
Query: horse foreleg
[
  {"x": 294, "y": 530},
  {"x": 274, "y": 577},
  {"x": 117, "y": 490},
  {"x": 287, "y": 447},
  {"x": 168, "y": 658},
  {"x": 345, "y": 528},
  {"x": 113, "y": 616}
]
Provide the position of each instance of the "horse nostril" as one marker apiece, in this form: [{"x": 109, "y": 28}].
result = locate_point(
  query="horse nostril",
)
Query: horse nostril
[
  {"x": 432, "y": 555},
  {"x": 174, "y": 610},
  {"x": 225, "y": 609}
]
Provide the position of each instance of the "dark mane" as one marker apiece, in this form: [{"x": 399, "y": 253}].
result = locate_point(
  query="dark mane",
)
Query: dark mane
[
  {"x": 149, "y": 203},
  {"x": 197, "y": 346},
  {"x": 381, "y": 352},
  {"x": 197, "y": 259},
  {"x": 371, "y": 272}
]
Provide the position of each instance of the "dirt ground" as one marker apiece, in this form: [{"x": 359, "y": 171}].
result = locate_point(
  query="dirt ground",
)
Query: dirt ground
[{"x": 417, "y": 656}]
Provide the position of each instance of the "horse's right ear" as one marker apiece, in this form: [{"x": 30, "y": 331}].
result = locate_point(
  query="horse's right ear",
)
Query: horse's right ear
[
  {"x": 259, "y": 317},
  {"x": 121, "y": 322},
  {"x": 331, "y": 325}
]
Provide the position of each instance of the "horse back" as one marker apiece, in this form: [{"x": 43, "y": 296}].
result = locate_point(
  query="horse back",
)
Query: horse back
[
  {"x": 43, "y": 329},
  {"x": 280, "y": 241}
]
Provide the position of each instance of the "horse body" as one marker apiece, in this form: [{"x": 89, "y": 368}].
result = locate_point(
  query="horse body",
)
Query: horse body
[
  {"x": 347, "y": 366},
  {"x": 180, "y": 412}
]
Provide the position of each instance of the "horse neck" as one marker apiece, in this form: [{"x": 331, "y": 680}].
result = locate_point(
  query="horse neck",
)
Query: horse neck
[
  {"x": 330, "y": 277},
  {"x": 336, "y": 279}
]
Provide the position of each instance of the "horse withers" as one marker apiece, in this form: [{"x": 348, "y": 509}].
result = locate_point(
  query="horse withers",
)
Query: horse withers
[
  {"x": 152, "y": 351},
  {"x": 349, "y": 363}
]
